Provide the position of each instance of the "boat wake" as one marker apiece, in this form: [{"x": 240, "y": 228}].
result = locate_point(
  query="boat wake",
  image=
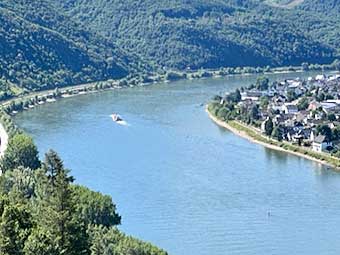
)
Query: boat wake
[{"x": 122, "y": 122}]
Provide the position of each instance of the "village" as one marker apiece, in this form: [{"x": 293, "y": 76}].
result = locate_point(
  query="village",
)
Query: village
[{"x": 303, "y": 112}]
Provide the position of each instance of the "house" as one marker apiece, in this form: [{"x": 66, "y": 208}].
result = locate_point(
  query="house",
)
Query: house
[
  {"x": 320, "y": 143},
  {"x": 314, "y": 105},
  {"x": 252, "y": 95},
  {"x": 275, "y": 106},
  {"x": 302, "y": 117},
  {"x": 320, "y": 77},
  {"x": 329, "y": 106},
  {"x": 294, "y": 86},
  {"x": 290, "y": 109}
]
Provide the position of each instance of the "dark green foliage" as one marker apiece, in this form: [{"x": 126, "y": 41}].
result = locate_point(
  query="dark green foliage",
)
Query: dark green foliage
[
  {"x": 56, "y": 211},
  {"x": 331, "y": 117},
  {"x": 14, "y": 229},
  {"x": 336, "y": 133},
  {"x": 18, "y": 183},
  {"x": 223, "y": 113},
  {"x": 21, "y": 151},
  {"x": 110, "y": 241},
  {"x": 269, "y": 126},
  {"x": 43, "y": 213},
  {"x": 41, "y": 48},
  {"x": 95, "y": 208},
  {"x": 277, "y": 133},
  {"x": 264, "y": 101},
  {"x": 291, "y": 96},
  {"x": 39, "y": 243},
  {"x": 50, "y": 43},
  {"x": 254, "y": 113},
  {"x": 211, "y": 34},
  {"x": 234, "y": 97},
  {"x": 262, "y": 83},
  {"x": 325, "y": 130},
  {"x": 303, "y": 104}
]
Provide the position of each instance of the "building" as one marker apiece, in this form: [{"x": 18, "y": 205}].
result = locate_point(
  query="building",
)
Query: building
[
  {"x": 290, "y": 109},
  {"x": 320, "y": 143}
]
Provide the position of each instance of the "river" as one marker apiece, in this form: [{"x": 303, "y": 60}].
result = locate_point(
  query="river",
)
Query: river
[{"x": 183, "y": 183}]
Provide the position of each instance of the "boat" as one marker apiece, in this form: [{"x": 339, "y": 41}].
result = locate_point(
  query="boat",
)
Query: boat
[{"x": 116, "y": 118}]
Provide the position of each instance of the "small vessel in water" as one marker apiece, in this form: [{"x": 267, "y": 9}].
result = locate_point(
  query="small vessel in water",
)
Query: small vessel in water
[{"x": 115, "y": 117}]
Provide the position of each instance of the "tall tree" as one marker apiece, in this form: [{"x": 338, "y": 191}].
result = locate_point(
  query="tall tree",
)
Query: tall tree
[
  {"x": 21, "y": 151},
  {"x": 56, "y": 208},
  {"x": 269, "y": 126}
]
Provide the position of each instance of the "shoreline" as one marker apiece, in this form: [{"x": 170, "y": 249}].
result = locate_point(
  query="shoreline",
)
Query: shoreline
[
  {"x": 244, "y": 135},
  {"x": 115, "y": 84}
]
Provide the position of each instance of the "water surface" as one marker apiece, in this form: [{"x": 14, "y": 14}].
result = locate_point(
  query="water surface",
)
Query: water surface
[{"x": 185, "y": 184}]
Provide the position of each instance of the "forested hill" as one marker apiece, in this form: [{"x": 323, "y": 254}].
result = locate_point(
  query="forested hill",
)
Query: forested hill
[
  {"x": 41, "y": 48},
  {"x": 321, "y": 6},
  {"x": 210, "y": 34},
  {"x": 50, "y": 43}
]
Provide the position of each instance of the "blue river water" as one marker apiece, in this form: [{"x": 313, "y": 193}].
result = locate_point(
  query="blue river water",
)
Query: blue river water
[{"x": 183, "y": 183}]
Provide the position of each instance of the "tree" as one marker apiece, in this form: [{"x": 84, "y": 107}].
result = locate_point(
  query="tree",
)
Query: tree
[
  {"x": 326, "y": 131},
  {"x": 320, "y": 97},
  {"x": 262, "y": 83},
  {"x": 52, "y": 166},
  {"x": 14, "y": 229},
  {"x": 234, "y": 97},
  {"x": 254, "y": 113},
  {"x": 95, "y": 208},
  {"x": 55, "y": 205},
  {"x": 223, "y": 113},
  {"x": 336, "y": 133},
  {"x": 303, "y": 104},
  {"x": 264, "y": 102},
  {"x": 18, "y": 183},
  {"x": 331, "y": 117},
  {"x": 21, "y": 151},
  {"x": 110, "y": 241},
  {"x": 39, "y": 243},
  {"x": 269, "y": 126},
  {"x": 291, "y": 96},
  {"x": 277, "y": 133}
]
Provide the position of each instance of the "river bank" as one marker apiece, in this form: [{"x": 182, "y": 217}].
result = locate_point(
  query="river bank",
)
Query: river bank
[
  {"x": 256, "y": 137},
  {"x": 31, "y": 99}
]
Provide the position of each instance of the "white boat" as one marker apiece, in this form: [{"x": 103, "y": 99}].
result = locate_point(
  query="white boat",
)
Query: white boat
[{"x": 116, "y": 118}]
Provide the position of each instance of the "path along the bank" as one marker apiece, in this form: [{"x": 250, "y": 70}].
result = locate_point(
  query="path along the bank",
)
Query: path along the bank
[{"x": 3, "y": 140}]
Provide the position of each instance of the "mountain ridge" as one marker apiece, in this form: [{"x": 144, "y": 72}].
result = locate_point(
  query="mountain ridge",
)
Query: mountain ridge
[{"x": 77, "y": 41}]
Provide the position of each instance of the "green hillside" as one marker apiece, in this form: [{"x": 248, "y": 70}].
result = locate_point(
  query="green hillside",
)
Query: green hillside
[
  {"x": 41, "y": 48},
  {"x": 49, "y": 43},
  {"x": 210, "y": 34}
]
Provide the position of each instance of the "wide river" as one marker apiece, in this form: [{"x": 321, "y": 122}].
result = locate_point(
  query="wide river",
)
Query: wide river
[{"x": 183, "y": 183}]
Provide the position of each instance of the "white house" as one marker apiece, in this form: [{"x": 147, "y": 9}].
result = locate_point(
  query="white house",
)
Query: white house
[
  {"x": 320, "y": 77},
  {"x": 320, "y": 144},
  {"x": 290, "y": 109}
]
